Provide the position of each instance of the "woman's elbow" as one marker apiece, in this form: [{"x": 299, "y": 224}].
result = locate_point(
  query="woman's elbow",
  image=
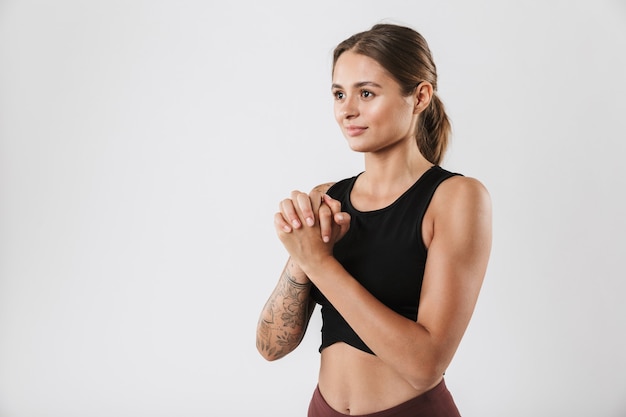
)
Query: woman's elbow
[
  {"x": 423, "y": 376},
  {"x": 266, "y": 351},
  {"x": 271, "y": 352}
]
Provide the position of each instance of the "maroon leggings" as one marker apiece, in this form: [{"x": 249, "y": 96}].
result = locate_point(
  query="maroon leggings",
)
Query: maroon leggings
[{"x": 437, "y": 402}]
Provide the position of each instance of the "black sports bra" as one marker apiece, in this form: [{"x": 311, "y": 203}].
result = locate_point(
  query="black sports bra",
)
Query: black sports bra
[{"x": 384, "y": 251}]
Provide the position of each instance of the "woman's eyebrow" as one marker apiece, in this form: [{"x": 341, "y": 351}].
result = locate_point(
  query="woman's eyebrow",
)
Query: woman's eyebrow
[{"x": 359, "y": 85}]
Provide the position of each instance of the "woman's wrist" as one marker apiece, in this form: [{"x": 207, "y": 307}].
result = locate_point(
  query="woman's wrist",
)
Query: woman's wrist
[
  {"x": 295, "y": 275},
  {"x": 320, "y": 267},
  {"x": 292, "y": 281}
]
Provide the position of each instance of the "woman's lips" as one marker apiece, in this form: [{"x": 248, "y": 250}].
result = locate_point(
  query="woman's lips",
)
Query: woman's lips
[{"x": 355, "y": 130}]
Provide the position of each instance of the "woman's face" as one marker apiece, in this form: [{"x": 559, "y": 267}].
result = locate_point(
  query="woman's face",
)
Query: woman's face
[{"x": 369, "y": 106}]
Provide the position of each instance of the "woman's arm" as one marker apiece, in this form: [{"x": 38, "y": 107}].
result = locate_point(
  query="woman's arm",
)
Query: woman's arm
[
  {"x": 286, "y": 314},
  {"x": 458, "y": 235}
]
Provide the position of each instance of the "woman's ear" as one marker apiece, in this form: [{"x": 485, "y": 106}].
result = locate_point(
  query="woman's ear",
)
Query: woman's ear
[{"x": 422, "y": 94}]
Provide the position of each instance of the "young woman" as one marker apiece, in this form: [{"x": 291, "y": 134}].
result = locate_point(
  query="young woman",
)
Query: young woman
[{"x": 395, "y": 255}]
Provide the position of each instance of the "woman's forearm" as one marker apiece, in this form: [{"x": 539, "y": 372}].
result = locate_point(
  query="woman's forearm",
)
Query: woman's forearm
[{"x": 286, "y": 314}]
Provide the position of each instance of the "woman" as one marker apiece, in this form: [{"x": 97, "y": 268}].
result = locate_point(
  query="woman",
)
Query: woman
[{"x": 395, "y": 255}]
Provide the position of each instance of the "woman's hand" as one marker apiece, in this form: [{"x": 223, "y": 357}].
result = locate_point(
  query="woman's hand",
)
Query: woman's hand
[
  {"x": 301, "y": 209},
  {"x": 308, "y": 225}
]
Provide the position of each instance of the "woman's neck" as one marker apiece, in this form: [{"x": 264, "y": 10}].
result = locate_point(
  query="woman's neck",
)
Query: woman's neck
[
  {"x": 390, "y": 172},
  {"x": 387, "y": 177}
]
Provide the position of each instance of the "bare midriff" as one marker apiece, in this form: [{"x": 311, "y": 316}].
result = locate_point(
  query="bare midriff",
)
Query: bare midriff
[{"x": 355, "y": 382}]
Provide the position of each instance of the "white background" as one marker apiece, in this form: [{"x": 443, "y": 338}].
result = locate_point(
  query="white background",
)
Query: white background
[{"x": 144, "y": 146}]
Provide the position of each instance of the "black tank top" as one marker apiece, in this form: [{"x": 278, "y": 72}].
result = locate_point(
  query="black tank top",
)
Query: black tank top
[{"x": 384, "y": 251}]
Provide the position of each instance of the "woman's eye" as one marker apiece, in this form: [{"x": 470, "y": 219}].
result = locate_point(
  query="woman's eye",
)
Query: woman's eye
[
  {"x": 366, "y": 94},
  {"x": 339, "y": 95}
]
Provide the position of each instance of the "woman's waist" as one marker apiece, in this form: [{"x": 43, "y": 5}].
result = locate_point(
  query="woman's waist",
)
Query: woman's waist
[{"x": 360, "y": 383}]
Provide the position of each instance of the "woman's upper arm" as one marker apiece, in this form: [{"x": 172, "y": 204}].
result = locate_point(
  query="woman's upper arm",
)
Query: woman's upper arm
[
  {"x": 458, "y": 252},
  {"x": 322, "y": 188}
]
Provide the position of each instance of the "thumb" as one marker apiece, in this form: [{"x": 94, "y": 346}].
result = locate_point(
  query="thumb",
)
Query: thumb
[
  {"x": 343, "y": 221},
  {"x": 342, "y": 218}
]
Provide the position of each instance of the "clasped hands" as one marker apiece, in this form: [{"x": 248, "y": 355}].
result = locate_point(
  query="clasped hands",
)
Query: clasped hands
[{"x": 309, "y": 225}]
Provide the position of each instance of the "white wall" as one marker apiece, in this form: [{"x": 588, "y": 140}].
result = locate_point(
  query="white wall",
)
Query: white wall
[{"x": 144, "y": 146}]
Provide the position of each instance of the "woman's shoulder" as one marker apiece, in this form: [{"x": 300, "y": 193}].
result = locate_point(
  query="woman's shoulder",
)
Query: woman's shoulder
[
  {"x": 460, "y": 207},
  {"x": 461, "y": 192},
  {"x": 461, "y": 182},
  {"x": 323, "y": 188},
  {"x": 346, "y": 182}
]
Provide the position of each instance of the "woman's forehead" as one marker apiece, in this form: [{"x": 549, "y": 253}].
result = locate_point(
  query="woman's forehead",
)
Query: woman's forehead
[{"x": 352, "y": 68}]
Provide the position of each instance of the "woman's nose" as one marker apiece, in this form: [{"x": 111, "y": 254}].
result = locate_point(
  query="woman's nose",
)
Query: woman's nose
[{"x": 349, "y": 108}]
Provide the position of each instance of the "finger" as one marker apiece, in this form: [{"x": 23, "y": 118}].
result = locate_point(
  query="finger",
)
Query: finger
[
  {"x": 281, "y": 224},
  {"x": 289, "y": 213},
  {"x": 304, "y": 208},
  {"x": 342, "y": 225},
  {"x": 326, "y": 222},
  {"x": 335, "y": 205},
  {"x": 317, "y": 199},
  {"x": 343, "y": 220}
]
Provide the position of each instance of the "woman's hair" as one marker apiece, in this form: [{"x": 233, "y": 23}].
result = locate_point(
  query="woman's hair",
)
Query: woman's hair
[{"x": 404, "y": 53}]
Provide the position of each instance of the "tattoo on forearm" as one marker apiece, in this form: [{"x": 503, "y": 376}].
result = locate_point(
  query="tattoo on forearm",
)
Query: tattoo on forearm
[
  {"x": 284, "y": 318},
  {"x": 295, "y": 283}
]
